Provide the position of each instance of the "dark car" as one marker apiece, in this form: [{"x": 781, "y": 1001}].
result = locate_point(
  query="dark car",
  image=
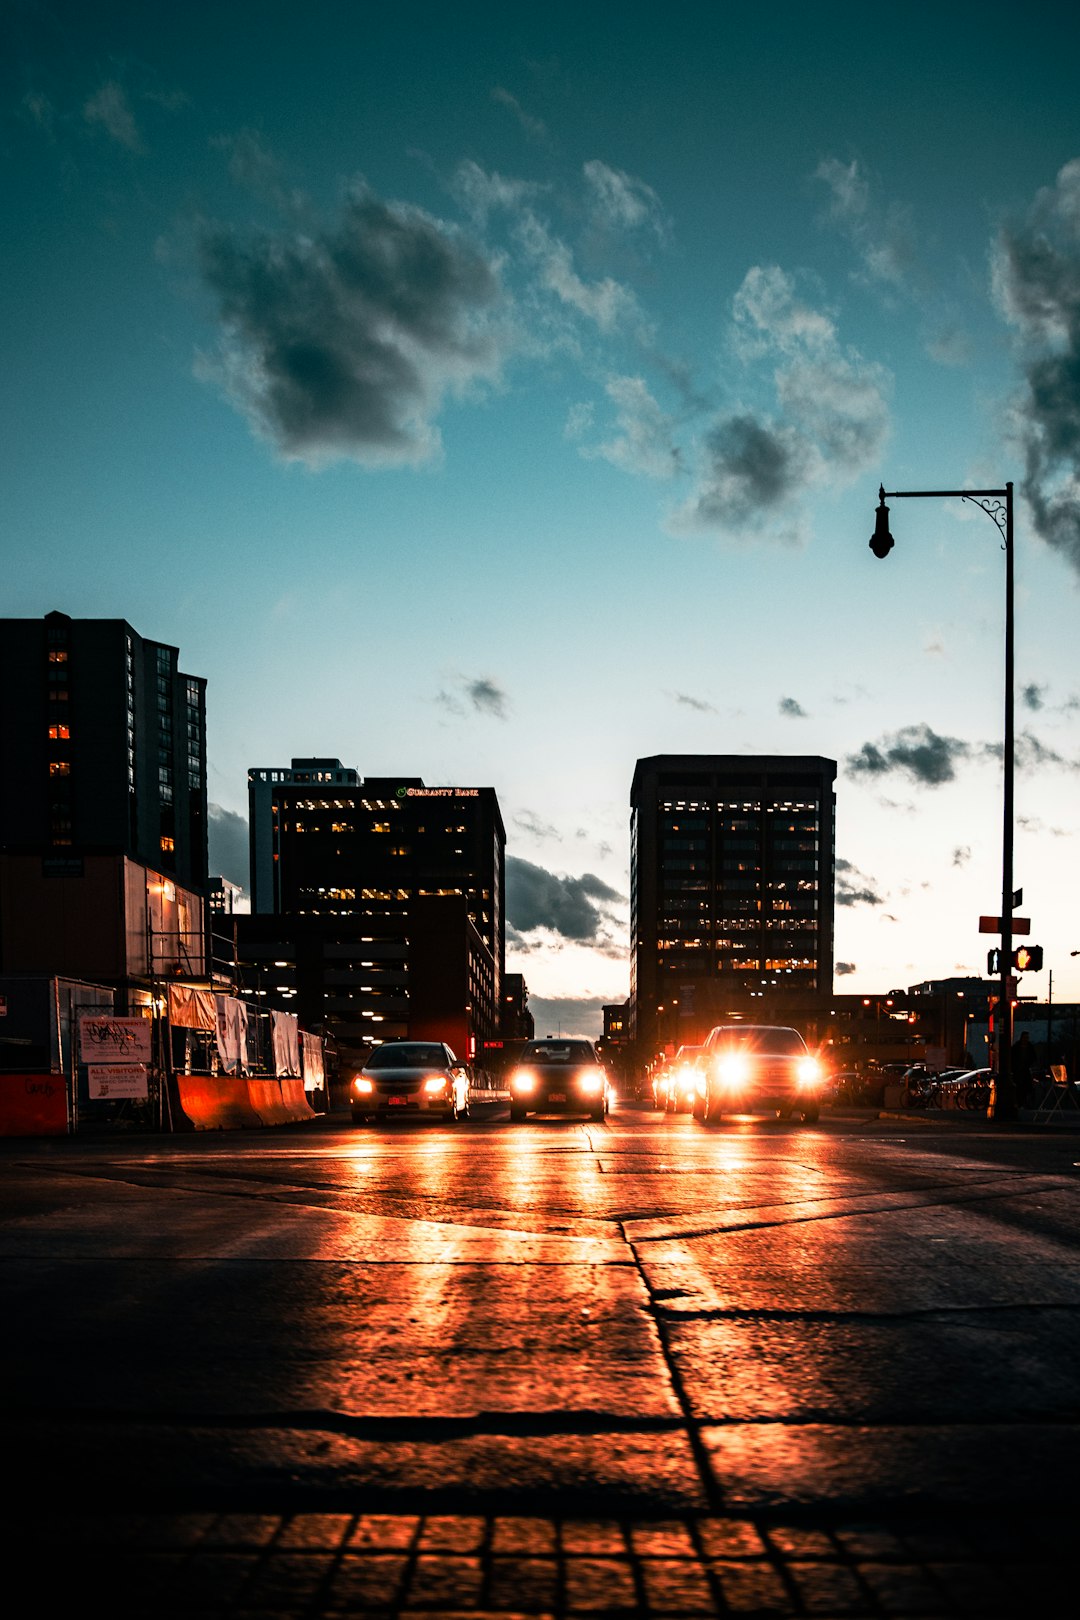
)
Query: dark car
[
  {"x": 754, "y": 1067},
  {"x": 557, "y": 1076},
  {"x": 681, "y": 1079},
  {"x": 403, "y": 1078}
]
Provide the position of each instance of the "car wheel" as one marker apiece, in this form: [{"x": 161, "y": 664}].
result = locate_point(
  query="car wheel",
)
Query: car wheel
[
  {"x": 516, "y": 1113},
  {"x": 598, "y": 1115},
  {"x": 360, "y": 1119},
  {"x": 699, "y": 1108},
  {"x": 810, "y": 1115},
  {"x": 785, "y": 1112}
]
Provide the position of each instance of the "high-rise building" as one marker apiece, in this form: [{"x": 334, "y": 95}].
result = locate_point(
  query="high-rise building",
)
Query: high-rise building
[
  {"x": 103, "y": 854},
  {"x": 360, "y": 863},
  {"x": 732, "y": 867}
]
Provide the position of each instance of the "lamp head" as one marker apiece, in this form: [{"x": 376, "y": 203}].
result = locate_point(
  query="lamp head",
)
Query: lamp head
[{"x": 881, "y": 541}]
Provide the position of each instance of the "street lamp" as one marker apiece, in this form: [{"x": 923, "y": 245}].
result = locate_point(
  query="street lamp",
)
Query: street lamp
[{"x": 998, "y": 506}]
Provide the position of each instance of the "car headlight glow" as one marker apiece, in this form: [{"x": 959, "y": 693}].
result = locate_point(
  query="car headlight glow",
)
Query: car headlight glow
[
  {"x": 435, "y": 1082},
  {"x": 733, "y": 1069},
  {"x": 590, "y": 1083},
  {"x": 808, "y": 1071},
  {"x": 362, "y": 1086},
  {"x": 522, "y": 1080}
]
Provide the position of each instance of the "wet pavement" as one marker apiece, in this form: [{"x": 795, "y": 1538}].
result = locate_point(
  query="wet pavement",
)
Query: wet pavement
[{"x": 643, "y": 1368}]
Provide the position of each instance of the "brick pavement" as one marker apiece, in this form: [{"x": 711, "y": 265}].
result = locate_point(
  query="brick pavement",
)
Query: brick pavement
[{"x": 322, "y": 1565}]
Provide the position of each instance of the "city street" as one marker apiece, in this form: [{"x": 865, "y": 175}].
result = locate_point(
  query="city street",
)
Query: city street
[{"x": 640, "y": 1367}]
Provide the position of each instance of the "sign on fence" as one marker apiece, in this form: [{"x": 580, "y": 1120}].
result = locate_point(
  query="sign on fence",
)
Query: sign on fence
[
  {"x": 109, "y": 1040},
  {"x": 107, "y": 1081}
]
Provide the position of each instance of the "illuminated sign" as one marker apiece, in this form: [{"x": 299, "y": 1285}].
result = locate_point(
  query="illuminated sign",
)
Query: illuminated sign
[{"x": 438, "y": 793}]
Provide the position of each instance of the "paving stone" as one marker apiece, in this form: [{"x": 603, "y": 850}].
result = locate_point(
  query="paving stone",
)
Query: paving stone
[
  {"x": 242, "y": 1530},
  {"x": 592, "y": 1536},
  {"x": 669, "y": 1539},
  {"x": 753, "y": 1588},
  {"x": 446, "y": 1580},
  {"x": 903, "y": 1589},
  {"x": 599, "y": 1586},
  {"x": 531, "y": 1584},
  {"x": 387, "y": 1531},
  {"x": 523, "y": 1535},
  {"x": 368, "y": 1579},
  {"x": 286, "y": 1581},
  {"x": 828, "y": 1588},
  {"x": 731, "y": 1538},
  {"x": 799, "y": 1543},
  {"x": 678, "y": 1586},
  {"x": 443, "y": 1533},
  {"x": 315, "y": 1530}
]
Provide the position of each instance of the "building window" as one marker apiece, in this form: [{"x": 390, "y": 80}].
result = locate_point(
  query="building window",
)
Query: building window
[
  {"x": 167, "y": 844},
  {"x": 60, "y": 733},
  {"x": 59, "y": 767},
  {"x": 58, "y": 655}
]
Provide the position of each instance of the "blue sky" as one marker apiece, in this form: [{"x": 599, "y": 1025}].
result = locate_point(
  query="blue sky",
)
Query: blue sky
[{"x": 501, "y": 398}]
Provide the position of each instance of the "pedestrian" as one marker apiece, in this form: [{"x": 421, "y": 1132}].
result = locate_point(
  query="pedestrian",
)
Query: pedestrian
[{"x": 1023, "y": 1070}]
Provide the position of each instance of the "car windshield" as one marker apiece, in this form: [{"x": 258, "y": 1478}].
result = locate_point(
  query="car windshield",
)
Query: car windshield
[
  {"x": 775, "y": 1042},
  {"x": 408, "y": 1055},
  {"x": 558, "y": 1052}
]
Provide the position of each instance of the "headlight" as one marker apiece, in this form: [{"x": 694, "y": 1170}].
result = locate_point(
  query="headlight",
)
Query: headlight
[
  {"x": 591, "y": 1083},
  {"x": 362, "y": 1086},
  {"x": 733, "y": 1069},
  {"x": 522, "y": 1080},
  {"x": 808, "y": 1071},
  {"x": 436, "y": 1082}
]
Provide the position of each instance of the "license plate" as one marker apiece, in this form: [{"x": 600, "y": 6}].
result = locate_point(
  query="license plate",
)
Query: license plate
[
  {"x": 556, "y": 1096},
  {"x": 398, "y": 1102}
]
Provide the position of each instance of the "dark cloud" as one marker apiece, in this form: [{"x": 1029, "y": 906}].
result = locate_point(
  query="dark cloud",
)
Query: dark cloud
[
  {"x": 1037, "y": 282},
  {"x": 480, "y": 693},
  {"x": 578, "y": 1017},
  {"x": 575, "y": 907},
  {"x": 790, "y": 707},
  {"x": 530, "y": 823},
  {"x": 695, "y": 703},
  {"x": 961, "y": 855},
  {"x": 854, "y": 888},
  {"x": 844, "y": 968},
  {"x": 916, "y": 751},
  {"x": 1033, "y": 695},
  {"x": 343, "y": 342},
  {"x": 227, "y": 835}
]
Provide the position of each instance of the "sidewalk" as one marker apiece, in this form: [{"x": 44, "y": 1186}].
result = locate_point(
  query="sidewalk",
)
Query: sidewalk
[{"x": 508, "y": 1567}]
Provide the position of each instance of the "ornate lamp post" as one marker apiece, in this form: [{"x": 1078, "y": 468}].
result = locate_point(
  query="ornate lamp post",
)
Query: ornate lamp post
[{"x": 998, "y": 506}]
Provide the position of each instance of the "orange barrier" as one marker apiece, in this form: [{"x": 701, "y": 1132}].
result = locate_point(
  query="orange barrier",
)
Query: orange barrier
[
  {"x": 228, "y": 1102},
  {"x": 33, "y": 1105}
]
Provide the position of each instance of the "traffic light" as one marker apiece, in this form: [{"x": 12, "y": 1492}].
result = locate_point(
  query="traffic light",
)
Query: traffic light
[
  {"x": 1028, "y": 959},
  {"x": 993, "y": 963}
]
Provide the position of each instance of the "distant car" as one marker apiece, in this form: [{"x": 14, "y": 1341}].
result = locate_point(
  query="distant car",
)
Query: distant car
[
  {"x": 680, "y": 1080},
  {"x": 755, "y": 1067},
  {"x": 557, "y": 1076},
  {"x": 403, "y": 1078}
]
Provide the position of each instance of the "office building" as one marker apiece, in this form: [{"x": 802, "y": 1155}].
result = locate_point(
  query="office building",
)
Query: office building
[
  {"x": 417, "y": 870},
  {"x": 103, "y": 855},
  {"x": 732, "y": 864}
]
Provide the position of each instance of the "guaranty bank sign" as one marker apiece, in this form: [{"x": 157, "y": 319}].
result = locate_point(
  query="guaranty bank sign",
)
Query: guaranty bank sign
[{"x": 438, "y": 793}]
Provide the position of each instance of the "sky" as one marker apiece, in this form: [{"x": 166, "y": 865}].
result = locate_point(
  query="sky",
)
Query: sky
[{"x": 501, "y": 396}]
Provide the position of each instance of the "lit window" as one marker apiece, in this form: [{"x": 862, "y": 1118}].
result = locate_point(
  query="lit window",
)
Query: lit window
[
  {"x": 60, "y": 733},
  {"x": 59, "y": 767},
  {"x": 167, "y": 844},
  {"x": 57, "y": 655}
]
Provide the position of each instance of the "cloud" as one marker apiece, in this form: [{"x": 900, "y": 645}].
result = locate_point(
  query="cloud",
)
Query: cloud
[
  {"x": 622, "y": 203},
  {"x": 883, "y": 237},
  {"x": 607, "y": 303},
  {"x": 227, "y": 835},
  {"x": 577, "y": 908},
  {"x": 695, "y": 703},
  {"x": 576, "y": 1017},
  {"x": 915, "y": 751},
  {"x": 831, "y": 423},
  {"x": 531, "y": 824},
  {"x": 109, "y": 107},
  {"x": 644, "y": 441},
  {"x": 961, "y": 855},
  {"x": 844, "y": 968},
  {"x": 254, "y": 168},
  {"x": 854, "y": 888},
  {"x": 343, "y": 342},
  {"x": 1036, "y": 277},
  {"x": 482, "y": 194},
  {"x": 790, "y": 707},
  {"x": 534, "y": 127},
  {"x": 1033, "y": 695},
  {"x": 482, "y": 694}
]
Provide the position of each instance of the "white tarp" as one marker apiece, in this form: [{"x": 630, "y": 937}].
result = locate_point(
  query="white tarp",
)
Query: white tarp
[
  {"x": 232, "y": 1034},
  {"x": 285, "y": 1034},
  {"x": 311, "y": 1052}
]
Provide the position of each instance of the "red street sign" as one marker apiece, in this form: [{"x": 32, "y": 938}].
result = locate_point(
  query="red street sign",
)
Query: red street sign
[{"x": 992, "y": 925}]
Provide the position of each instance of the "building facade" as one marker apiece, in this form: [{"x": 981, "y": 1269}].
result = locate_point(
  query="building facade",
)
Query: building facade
[
  {"x": 103, "y": 822},
  {"x": 417, "y": 871},
  {"x": 732, "y": 874}
]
